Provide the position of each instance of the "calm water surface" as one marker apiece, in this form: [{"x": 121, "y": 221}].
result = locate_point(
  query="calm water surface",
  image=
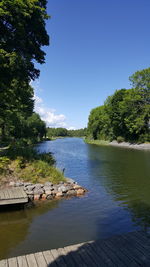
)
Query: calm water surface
[{"x": 118, "y": 200}]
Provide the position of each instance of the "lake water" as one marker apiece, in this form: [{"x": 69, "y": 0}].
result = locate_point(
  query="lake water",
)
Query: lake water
[{"x": 118, "y": 201}]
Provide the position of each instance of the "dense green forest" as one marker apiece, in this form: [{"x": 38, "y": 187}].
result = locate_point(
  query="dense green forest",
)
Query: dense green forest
[
  {"x": 23, "y": 34},
  {"x": 125, "y": 116},
  {"x": 63, "y": 132}
]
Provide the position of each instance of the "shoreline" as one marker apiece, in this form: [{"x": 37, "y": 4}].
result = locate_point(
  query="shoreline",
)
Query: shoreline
[{"x": 143, "y": 146}]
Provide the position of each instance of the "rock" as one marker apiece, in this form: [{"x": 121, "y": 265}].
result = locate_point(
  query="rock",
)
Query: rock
[
  {"x": 59, "y": 194},
  {"x": 37, "y": 191},
  {"x": 70, "y": 181},
  {"x": 12, "y": 183},
  {"x": 71, "y": 193},
  {"x": 55, "y": 187},
  {"x": 47, "y": 188},
  {"x": 62, "y": 189},
  {"x": 36, "y": 197},
  {"x": 27, "y": 184},
  {"x": 49, "y": 197},
  {"x": 30, "y": 187},
  {"x": 29, "y": 192},
  {"x": 54, "y": 192},
  {"x": 39, "y": 186},
  {"x": 80, "y": 191},
  {"x": 17, "y": 184},
  {"x": 31, "y": 197},
  {"x": 48, "y": 184},
  {"x": 69, "y": 187},
  {"x": 76, "y": 187},
  {"x": 43, "y": 196},
  {"x": 49, "y": 192}
]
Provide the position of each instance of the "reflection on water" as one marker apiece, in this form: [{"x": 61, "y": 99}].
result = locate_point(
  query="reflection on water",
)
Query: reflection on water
[{"x": 118, "y": 200}]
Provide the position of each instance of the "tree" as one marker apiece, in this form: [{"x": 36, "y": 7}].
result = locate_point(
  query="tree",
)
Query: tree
[
  {"x": 125, "y": 114},
  {"x": 16, "y": 106},
  {"x": 23, "y": 33},
  {"x": 140, "y": 80},
  {"x": 34, "y": 127},
  {"x": 99, "y": 123}
]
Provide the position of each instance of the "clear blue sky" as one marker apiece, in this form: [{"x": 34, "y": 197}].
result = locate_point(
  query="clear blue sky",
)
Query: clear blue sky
[{"x": 95, "y": 45}]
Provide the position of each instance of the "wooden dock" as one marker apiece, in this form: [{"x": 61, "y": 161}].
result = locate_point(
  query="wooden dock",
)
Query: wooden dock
[
  {"x": 13, "y": 196},
  {"x": 132, "y": 249}
]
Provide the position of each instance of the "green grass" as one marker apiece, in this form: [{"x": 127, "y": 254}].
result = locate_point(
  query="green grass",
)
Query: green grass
[
  {"x": 96, "y": 142},
  {"x": 27, "y": 164}
]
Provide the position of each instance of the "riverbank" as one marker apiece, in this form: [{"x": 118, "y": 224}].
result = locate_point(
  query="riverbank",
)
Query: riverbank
[{"x": 143, "y": 146}]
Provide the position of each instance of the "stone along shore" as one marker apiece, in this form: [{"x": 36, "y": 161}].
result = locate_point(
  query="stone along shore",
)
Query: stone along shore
[{"x": 50, "y": 191}]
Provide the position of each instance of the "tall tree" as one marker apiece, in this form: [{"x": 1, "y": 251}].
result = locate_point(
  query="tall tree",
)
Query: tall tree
[{"x": 23, "y": 33}]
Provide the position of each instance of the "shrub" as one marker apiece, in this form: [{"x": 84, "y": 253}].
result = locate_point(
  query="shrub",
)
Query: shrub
[
  {"x": 4, "y": 161},
  {"x": 40, "y": 171},
  {"x": 120, "y": 139}
]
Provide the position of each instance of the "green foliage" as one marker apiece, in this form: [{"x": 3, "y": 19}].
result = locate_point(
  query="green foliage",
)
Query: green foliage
[
  {"x": 40, "y": 171},
  {"x": 23, "y": 34},
  {"x": 4, "y": 161},
  {"x": 27, "y": 164},
  {"x": 125, "y": 114},
  {"x": 62, "y": 132},
  {"x": 28, "y": 153},
  {"x": 120, "y": 139}
]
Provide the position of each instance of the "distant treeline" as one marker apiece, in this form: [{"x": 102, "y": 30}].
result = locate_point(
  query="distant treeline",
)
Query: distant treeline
[
  {"x": 56, "y": 132},
  {"x": 126, "y": 114}
]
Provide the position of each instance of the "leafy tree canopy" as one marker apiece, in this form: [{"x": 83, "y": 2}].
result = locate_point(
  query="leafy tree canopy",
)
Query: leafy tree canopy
[{"x": 23, "y": 33}]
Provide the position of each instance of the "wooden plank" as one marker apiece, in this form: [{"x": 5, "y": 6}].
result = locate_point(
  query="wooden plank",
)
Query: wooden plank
[
  {"x": 102, "y": 254},
  {"x": 124, "y": 254},
  {"x": 2, "y": 196},
  {"x": 31, "y": 260},
  {"x": 13, "y": 196},
  {"x": 59, "y": 259},
  {"x": 49, "y": 258},
  {"x": 85, "y": 256},
  {"x": 138, "y": 256},
  {"x": 40, "y": 259},
  {"x": 140, "y": 245},
  {"x": 67, "y": 257},
  {"x": 4, "y": 263},
  {"x": 75, "y": 255},
  {"x": 22, "y": 262},
  {"x": 126, "y": 250},
  {"x": 13, "y": 201},
  {"x": 115, "y": 250},
  {"x": 94, "y": 255},
  {"x": 12, "y": 262}
]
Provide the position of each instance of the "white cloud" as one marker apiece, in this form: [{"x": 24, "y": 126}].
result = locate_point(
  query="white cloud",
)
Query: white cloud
[{"x": 48, "y": 115}]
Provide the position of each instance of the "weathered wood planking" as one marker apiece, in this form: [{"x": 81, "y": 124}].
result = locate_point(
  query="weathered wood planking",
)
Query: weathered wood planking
[
  {"x": 13, "y": 196},
  {"x": 132, "y": 249}
]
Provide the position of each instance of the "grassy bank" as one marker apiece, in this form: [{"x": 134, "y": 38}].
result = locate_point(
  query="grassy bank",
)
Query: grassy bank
[
  {"x": 96, "y": 142},
  {"x": 24, "y": 163}
]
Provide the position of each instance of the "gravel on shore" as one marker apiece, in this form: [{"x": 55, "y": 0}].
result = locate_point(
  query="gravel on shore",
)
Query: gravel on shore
[{"x": 129, "y": 145}]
